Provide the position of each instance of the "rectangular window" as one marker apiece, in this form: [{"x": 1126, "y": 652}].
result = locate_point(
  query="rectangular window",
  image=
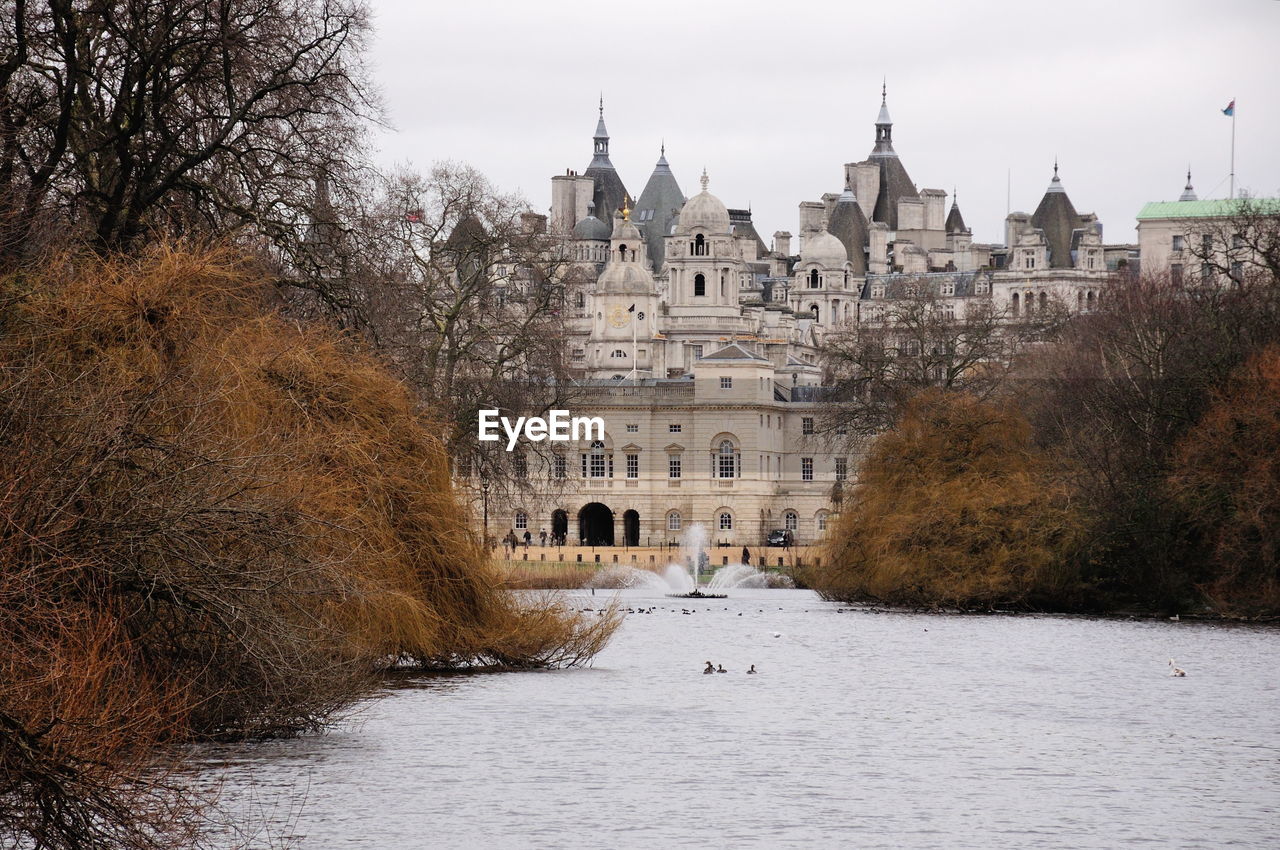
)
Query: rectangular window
[
  {"x": 673, "y": 428},
  {"x": 522, "y": 520},
  {"x": 559, "y": 466},
  {"x": 728, "y": 467},
  {"x": 842, "y": 468},
  {"x": 597, "y": 465},
  {"x": 949, "y": 288},
  {"x": 806, "y": 469},
  {"x": 633, "y": 466},
  {"x": 632, "y": 429},
  {"x": 948, "y": 311},
  {"x": 673, "y": 466},
  {"x": 726, "y": 383},
  {"x": 1175, "y": 272},
  {"x": 521, "y": 466},
  {"x": 1177, "y": 242},
  {"x": 697, "y": 351},
  {"x": 806, "y": 425}
]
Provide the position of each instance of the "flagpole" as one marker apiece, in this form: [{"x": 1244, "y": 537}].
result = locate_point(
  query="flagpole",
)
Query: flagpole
[{"x": 1233, "y": 149}]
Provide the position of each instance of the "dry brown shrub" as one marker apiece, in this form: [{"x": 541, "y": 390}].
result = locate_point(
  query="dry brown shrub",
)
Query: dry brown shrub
[
  {"x": 954, "y": 507},
  {"x": 240, "y": 519},
  {"x": 1226, "y": 474}
]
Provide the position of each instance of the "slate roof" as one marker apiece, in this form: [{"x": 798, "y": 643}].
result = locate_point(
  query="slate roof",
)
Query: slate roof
[
  {"x": 849, "y": 225},
  {"x": 733, "y": 351},
  {"x": 609, "y": 191},
  {"x": 955, "y": 221},
  {"x": 658, "y": 206},
  {"x": 740, "y": 224},
  {"x": 1058, "y": 218}
]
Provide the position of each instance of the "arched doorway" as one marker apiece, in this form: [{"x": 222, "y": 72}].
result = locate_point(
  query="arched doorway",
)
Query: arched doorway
[
  {"x": 631, "y": 528},
  {"x": 560, "y": 525},
  {"x": 595, "y": 525}
]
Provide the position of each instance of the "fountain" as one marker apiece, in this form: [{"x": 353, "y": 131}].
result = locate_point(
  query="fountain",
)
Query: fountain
[
  {"x": 683, "y": 577},
  {"x": 693, "y": 545}
]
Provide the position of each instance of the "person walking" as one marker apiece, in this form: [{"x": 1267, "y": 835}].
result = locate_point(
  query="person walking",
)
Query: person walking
[
  {"x": 528, "y": 538},
  {"x": 542, "y": 536}
]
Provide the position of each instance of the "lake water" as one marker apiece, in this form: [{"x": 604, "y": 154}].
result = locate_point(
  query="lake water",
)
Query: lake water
[{"x": 862, "y": 729}]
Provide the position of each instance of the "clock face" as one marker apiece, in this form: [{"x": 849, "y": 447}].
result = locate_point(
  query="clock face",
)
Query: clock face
[{"x": 619, "y": 317}]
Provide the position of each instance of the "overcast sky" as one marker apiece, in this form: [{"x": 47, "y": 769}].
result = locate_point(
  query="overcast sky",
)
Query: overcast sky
[{"x": 772, "y": 98}]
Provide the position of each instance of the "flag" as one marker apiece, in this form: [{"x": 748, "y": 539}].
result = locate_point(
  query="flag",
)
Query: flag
[{"x": 1231, "y": 108}]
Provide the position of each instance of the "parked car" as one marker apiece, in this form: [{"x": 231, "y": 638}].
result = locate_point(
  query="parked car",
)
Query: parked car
[{"x": 780, "y": 537}]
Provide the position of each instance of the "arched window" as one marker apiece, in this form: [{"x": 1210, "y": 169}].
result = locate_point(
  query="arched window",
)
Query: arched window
[
  {"x": 581, "y": 300},
  {"x": 618, "y": 352},
  {"x": 522, "y": 520},
  {"x": 790, "y": 521},
  {"x": 699, "y": 246},
  {"x": 1079, "y": 301},
  {"x": 622, "y": 253},
  {"x": 725, "y": 521},
  {"x": 726, "y": 460},
  {"x": 1044, "y": 300},
  {"x": 1029, "y": 300},
  {"x": 595, "y": 464},
  {"x": 699, "y": 283},
  {"x": 813, "y": 279},
  {"x": 673, "y": 521},
  {"x": 822, "y": 520},
  {"x": 813, "y": 308},
  {"x": 1016, "y": 305},
  {"x": 1090, "y": 302}
]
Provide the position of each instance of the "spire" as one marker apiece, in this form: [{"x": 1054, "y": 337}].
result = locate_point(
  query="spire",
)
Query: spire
[
  {"x": 601, "y": 138},
  {"x": 1188, "y": 194},
  {"x": 884, "y": 126},
  {"x": 955, "y": 221},
  {"x": 662, "y": 156},
  {"x": 704, "y": 180},
  {"x": 1055, "y": 185}
]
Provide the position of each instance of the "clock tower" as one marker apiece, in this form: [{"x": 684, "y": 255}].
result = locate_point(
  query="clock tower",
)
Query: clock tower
[{"x": 622, "y": 346}]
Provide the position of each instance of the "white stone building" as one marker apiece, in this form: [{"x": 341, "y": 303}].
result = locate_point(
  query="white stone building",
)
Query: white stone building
[{"x": 701, "y": 347}]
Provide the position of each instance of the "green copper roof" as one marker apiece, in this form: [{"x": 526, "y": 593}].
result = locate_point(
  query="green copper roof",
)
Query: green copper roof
[{"x": 1206, "y": 209}]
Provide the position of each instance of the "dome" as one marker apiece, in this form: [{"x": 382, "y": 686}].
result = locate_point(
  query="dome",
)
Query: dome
[
  {"x": 706, "y": 211},
  {"x": 628, "y": 278},
  {"x": 825, "y": 250},
  {"x": 625, "y": 229},
  {"x": 591, "y": 228}
]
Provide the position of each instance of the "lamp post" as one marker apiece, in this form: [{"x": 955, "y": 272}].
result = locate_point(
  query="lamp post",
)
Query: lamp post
[{"x": 484, "y": 493}]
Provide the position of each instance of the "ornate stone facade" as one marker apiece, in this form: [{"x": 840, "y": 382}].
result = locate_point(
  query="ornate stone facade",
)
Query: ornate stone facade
[{"x": 701, "y": 347}]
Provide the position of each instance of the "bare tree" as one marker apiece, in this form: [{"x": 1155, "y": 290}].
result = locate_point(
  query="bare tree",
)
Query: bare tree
[
  {"x": 466, "y": 294},
  {"x": 919, "y": 340},
  {"x": 1242, "y": 247},
  {"x": 190, "y": 117}
]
